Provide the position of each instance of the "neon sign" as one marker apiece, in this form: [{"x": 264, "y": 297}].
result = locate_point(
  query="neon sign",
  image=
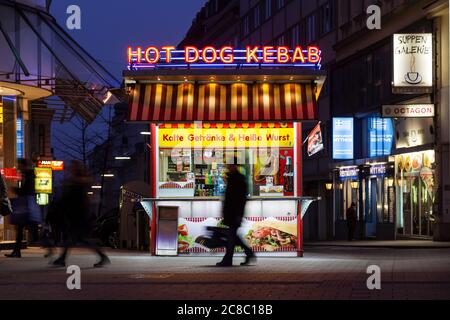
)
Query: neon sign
[{"x": 227, "y": 56}]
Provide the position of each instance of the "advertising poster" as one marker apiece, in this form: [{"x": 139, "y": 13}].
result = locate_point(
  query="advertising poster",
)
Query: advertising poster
[
  {"x": 262, "y": 234},
  {"x": 413, "y": 60},
  {"x": 343, "y": 138},
  {"x": 43, "y": 180},
  {"x": 315, "y": 141},
  {"x": 381, "y": 136}
]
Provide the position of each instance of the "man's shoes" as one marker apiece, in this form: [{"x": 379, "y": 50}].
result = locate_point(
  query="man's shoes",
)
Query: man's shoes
[
  {"x": 103, "y": 262},
  {"x": 224, "y": 264},
  {"x": 249, "y": 260},
  {"x": 59, "y": 263},
  {"x": 13, "y": 254}
]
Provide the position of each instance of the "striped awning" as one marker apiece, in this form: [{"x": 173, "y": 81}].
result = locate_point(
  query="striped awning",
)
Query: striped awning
[{"x": 212, "y": 102}]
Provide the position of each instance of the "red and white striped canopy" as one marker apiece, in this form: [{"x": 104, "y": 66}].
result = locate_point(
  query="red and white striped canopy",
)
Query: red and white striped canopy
[{"x": 212, "y": 102}]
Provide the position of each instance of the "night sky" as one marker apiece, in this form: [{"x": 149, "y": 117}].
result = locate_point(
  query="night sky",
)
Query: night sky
[{"x": 108, "y": 27}]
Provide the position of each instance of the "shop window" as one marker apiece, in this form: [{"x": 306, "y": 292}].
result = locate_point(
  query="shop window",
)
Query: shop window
[
  {"x": 246, "y": 25},
  {"x": 256, "y": 16},
  {"x": 280, "y": 4},
  {"x": 295, "y": 36},
  {"x": 326, "y": 18},
  {"x": 267, "y": 9}
]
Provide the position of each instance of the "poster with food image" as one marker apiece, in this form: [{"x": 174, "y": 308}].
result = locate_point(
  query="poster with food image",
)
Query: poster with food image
[{"x": 273, "y": 234}]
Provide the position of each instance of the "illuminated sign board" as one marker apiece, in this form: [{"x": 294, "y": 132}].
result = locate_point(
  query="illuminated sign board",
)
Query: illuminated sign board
[
  {"x": 378, "y": 169},
  {"x": 19, "y": 138},
  {"x": 348, "y": 172},
  {"x": 224, "y": 138},
  {"x": 55, "y": 165},
  {"x": 343, "y": 138},
  {"x": 43, "y": 180},
  {"x": 251, "y": 56},
  {"x": 1, "y": 112},
  {"x": 42, "y": 199},
  {"x": 413, "y": 63},
  {"x": 408, "y": 111},
  {"x": 10, "y": 173},
  {"x": 381, "y": 136}
]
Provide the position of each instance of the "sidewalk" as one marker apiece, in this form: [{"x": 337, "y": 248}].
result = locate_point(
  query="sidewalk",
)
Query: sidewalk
[{"x": 394, "y": 244}]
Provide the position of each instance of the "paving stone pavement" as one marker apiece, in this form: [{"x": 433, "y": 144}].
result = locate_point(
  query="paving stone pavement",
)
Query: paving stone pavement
[{"x": 323, "y": 273}]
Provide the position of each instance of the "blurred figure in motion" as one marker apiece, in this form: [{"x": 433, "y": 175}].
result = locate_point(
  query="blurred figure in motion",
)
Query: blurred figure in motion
[
  {"x": 26, "y": 212},
  {"x": 76, "y": 217},
  {"x": 351, "y": 221},
  {"x": 233, "y": 212}
]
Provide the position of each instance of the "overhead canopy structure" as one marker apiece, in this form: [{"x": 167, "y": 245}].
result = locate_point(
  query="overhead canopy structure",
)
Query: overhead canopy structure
[
  {"x": 36, "y": 52},
  {"x": 223, "y": 95}
]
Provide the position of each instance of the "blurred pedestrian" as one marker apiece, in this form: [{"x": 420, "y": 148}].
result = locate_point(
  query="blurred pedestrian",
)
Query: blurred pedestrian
[
  {"x": 26, "y": 212},
  {"x": 76, "y": 217},
  {"x": 351, "y": 221},
  {"x": 5, "y": 203},
  {"x": 233, "y": 213}
]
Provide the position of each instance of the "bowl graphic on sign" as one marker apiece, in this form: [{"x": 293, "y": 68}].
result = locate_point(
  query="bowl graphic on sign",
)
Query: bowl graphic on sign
[{"x": 413, "y": 78}]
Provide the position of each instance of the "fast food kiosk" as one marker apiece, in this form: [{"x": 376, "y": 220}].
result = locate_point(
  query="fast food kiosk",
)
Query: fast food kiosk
[{"x": 206, "y": 107}]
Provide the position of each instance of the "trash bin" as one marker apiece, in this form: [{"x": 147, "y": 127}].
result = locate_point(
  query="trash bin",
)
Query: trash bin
[{"x": 167, "y": 231}]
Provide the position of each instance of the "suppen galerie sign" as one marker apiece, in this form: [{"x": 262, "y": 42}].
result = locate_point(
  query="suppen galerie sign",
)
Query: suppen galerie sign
[{"x": 413, "y": 60}]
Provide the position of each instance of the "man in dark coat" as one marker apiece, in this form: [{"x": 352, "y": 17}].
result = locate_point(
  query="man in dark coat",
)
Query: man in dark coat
[
  {"x": 233, "y": 212},
  {"x": 351, "y": 221}
]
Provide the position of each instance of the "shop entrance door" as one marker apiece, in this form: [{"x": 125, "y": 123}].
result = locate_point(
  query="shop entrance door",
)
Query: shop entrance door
[{"x": 371, "y": 213}]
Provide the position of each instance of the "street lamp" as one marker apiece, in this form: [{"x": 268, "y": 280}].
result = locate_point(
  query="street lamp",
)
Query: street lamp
[
  {"x": 390, "y": 182},
  {"x": 329, "y": 185},
  {"x": 354, "y": 184}
]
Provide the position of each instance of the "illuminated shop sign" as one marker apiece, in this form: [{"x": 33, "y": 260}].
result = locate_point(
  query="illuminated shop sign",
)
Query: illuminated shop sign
[
  {"x": 408, "y": 111},
  {"x": 226, "y": 138},
  {"x": 378, "y": 169},
  {"x": 413, "y": 62},
  {"x": 348, "y": 172},
  {"x": 381, "y": 136},
  {"x": 342, "y": 138},
  {"x": 251, "y": 56},
  {"x": 19, "y": 138},
  {"x": 55, "y": 165},
  {"x": 413, "y": 132},
  {"x": 43, "y": 180}
]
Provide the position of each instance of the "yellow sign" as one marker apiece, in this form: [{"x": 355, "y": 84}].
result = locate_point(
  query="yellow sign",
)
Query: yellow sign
[
  {"x": 226, "y": 138},
  {"x": 1, "y": 112},
  {"x": 43, "y": 181}
]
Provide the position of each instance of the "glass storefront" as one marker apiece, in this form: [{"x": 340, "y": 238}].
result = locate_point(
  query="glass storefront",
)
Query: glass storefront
[{"x": 415, "y": 191}]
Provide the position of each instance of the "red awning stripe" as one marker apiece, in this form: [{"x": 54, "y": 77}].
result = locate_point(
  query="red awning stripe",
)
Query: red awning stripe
[{"x": 216, "y": 102}]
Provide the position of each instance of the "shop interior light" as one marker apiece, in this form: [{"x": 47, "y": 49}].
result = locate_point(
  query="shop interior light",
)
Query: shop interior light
[
  {"x": 96, "y": 187},
  {"x": 328, "y": 185},
  {"x": 146, "y": 133},
  {"x": 122, "y": 158},
  {"x": 1, "y": 89},
  {"x": 90, "y": 193},
  {"x": 354, "y": 184},
  {"x": 341, "y": 186}
]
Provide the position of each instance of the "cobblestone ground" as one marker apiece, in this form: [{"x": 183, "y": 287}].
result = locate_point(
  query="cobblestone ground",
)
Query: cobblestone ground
[{"x": 324, "y": 273}]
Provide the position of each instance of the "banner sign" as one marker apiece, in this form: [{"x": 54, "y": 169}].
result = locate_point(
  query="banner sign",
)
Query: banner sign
[
  {"x": 408, "y": 111},
  {"x": 226, "y": 138},
  {"x": 342, "y": 138},
  {"x": 43, "y": 180},
  {"x": 315, "y": 141},
  {"x": 348, "y": 172},
  {"x": 19, "y": 138},
  {"x": 413, "y": 62}
]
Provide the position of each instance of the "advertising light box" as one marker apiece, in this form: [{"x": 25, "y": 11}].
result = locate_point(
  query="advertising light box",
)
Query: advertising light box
[
  {"x": 43, "y": 180},
  {"x": 413, "y": 62},
  {"x": 343, "y": 138},
  {"x": 381, "y": 136}
]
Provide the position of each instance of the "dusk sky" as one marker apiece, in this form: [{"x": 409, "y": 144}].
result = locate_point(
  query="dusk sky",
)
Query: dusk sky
[{"x": 108, "y": 27}]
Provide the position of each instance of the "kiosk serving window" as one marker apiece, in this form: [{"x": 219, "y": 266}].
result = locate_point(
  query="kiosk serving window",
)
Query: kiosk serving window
[{"x": 193, "y": 159}]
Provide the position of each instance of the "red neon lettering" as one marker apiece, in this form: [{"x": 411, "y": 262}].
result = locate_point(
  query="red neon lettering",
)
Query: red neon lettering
[
  {"x": 205, "y": 51},
  {"x": 298, "y": 55},
  {"x": 187, "y": 54},
  {"x": 156, "y": 57},
  {"x": 313, "y": 54},
  {"x": 267, "y": 54},
  {"x": 283, "y": 54},
  {"x": 228, "y": 58},
  {"x": 132, "y": 54},
  {"x": 168, "y": 50},
  {"x": 251, "y": 54}
]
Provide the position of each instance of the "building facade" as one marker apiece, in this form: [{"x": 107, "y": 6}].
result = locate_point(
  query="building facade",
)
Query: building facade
[{"x": 359, "y": 62}]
